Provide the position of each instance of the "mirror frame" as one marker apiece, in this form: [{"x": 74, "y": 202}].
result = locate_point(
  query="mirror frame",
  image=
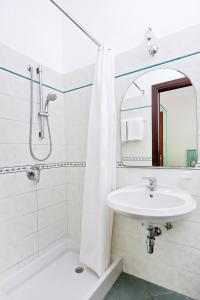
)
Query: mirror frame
[{"x": 187, "y": 81}]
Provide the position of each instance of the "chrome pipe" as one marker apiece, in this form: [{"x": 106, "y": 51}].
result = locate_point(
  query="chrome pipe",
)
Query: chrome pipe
[
  {"x": 40, "y": 114},
  {"x": 150, "y": 239},
  {"x": 152, "y": 232},
  {"x": 77, "y": 24}
]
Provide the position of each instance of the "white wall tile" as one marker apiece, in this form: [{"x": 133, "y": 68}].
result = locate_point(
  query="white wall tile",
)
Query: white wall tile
[
  {"x": 44, "y": 198},
  {"x": 189, "y": 284},
  {"x": 14, "y": 155},
  {"x": 13, "y": 207},
  {"x": 73, "y": 175},
  {"x": 76, "y": 152},
  {"x": 51, "y": 196},
  {"x": 52, "y": 234},
  {"x": 17, "y": 229},
  {"x": 26, "y": 225},
  {"x": 50, "y": 215},
  {"x": 73, "y": 192},
  {"x": 74, "y": 229},
  {"x": 13, "y": 132},
  {"x": 8, "y": 185},
  {"x": 74, "y": 210},
  {"x": 23, "y": 185},
  {"x": 14, "y": 86},
  {"x": 25, "y": 205},
  {"x": 13, "y": 108},
  {"x": 51, "y": 177},
  {"x": 59, "y": 193},
  {"x": 158, "y": 273},
  {"x": 27, "y": 247},
  {"x": 8, "y": 209},
  {"x": 8, "y": 257}
]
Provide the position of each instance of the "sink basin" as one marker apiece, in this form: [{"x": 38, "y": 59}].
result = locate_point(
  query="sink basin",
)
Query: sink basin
[{"x": 166, "y": 204}]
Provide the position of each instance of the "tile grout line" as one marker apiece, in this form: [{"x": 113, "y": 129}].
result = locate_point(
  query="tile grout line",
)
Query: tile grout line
[{"x": 37, "y": 204}]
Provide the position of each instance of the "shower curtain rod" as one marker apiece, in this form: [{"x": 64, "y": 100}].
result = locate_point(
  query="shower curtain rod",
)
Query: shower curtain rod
[{"x": 77, "y": 24}]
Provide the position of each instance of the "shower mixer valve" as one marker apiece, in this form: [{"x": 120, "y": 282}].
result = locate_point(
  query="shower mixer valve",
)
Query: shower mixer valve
[{"x": 34, "y": 173}]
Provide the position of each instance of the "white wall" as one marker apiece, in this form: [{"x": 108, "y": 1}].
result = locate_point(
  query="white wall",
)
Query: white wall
[
  {"x": 22, "y": 237},
  {"x": 175, "y": 263},
  {"x": 33, "y": 28},
  {"x": 138, "y": 149},
  {"x": 38, "y": 30},
  {"x": 121, "y": 25},
  {"x": 181, "y": 110}
]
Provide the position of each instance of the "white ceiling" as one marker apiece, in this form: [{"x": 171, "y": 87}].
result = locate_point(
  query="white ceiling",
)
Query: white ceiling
[
  {"x": 37, "y": 29},
  {"x": 33, "y": 28},
  {"x": 121, "y": 24}
]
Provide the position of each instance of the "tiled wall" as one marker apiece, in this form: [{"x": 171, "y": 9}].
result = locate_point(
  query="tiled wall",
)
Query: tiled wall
[
  {"x": 76, "y": 124},
  {"x": 176, "y": 261},
  {"x": 32, "y": 216}
]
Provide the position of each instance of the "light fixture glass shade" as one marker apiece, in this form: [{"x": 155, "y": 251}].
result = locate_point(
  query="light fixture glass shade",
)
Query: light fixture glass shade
[{"x": 151, "y": 42}]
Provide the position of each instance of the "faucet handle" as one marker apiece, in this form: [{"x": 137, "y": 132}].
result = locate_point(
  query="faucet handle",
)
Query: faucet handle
[{"x": 151, "y": 179}]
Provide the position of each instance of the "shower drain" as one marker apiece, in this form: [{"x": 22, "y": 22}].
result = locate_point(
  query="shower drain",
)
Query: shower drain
[{"x": 79, "y": 270}]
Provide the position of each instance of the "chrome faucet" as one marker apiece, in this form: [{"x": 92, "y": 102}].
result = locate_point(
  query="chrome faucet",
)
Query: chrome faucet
[{"x": 152, "y": 186}]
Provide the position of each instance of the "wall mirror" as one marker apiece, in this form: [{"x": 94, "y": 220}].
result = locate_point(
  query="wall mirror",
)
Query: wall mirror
[{"x": 159, "y": 121}]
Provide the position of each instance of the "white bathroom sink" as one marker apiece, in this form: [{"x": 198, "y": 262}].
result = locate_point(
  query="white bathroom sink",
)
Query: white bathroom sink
[{"x": 166, "y": 204}]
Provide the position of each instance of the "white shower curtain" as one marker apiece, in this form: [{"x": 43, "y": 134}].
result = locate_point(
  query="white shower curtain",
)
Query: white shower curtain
[{"x": 100, "y": 175}]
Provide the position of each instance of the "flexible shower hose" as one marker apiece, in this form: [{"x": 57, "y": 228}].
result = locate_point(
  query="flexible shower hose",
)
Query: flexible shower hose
[{"x": 30, "y": 68}]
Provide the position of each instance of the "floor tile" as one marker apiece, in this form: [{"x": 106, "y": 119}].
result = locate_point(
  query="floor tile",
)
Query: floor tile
[
  {"x": 156, "y": 290},
  {"x": 113, "y": 294},
  {"x": 129, "y": 287},
  {"x": 173, "y": 296}
]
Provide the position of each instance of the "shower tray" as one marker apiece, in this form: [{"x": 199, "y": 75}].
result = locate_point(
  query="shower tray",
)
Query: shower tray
[{"x": 52, "y": 276}]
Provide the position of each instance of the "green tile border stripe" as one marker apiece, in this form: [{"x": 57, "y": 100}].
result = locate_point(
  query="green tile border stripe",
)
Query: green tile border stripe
[
  {"x": 78, "y": 88},
  {"x": 140, "y": 107},
  {"x": 158, "y": 64},
  {"x": 116, "y": 77},
  {"x": 139, "y": 70},
  {"x": 134, "y": 108},
  {"x": 28, "y": 78}
]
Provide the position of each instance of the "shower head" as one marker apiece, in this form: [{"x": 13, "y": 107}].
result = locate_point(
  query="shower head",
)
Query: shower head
[{"x": 51, "y": 97}]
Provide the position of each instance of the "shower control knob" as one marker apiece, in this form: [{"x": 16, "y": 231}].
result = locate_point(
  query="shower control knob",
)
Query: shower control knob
[{"x": 33, "y": 174}]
